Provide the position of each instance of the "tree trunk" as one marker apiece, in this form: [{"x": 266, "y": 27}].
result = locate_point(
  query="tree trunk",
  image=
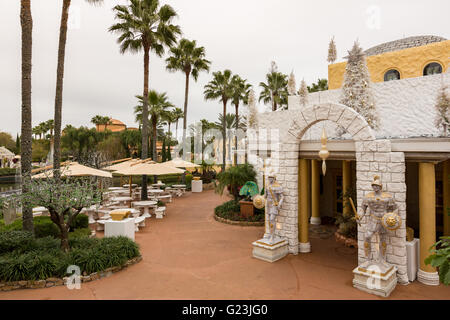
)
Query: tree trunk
[
  {"x": 145, "y": 119},
  {"x": 236, "y": 135},
  {"x": 186, "y": 94},
  {"x": 59, "y": 87},
  {"x": 26, "y": 22},
  {"x": 224, "y": 133},
  {"x": 154, "y": 139}
]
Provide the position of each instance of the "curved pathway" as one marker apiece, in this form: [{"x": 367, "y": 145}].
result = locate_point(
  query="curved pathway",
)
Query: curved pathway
[{"x": 189, "y": 255}]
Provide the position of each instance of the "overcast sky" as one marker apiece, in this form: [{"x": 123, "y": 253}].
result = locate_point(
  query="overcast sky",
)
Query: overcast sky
[{"x": 241, "y": 35}]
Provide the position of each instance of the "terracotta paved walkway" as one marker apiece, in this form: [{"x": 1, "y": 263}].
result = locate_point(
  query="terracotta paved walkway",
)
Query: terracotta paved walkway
[{"x": 188, "y": 255}]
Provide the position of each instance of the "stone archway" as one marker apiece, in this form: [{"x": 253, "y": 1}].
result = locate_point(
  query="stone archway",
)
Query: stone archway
[{"x": 372, "y": 157}]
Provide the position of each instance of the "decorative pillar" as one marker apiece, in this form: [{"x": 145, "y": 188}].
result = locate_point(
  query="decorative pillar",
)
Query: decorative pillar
[
  {"x": 303, "y": 238},
  {"x": 315, "y": 192},
  {"x": 446, "y": 196},
  {"x": 427, "y": 221},
  {"x": 346, "y": 184}
]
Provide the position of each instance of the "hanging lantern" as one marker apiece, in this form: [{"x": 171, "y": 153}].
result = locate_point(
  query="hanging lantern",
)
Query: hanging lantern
[{"x": 324, "y": 153}]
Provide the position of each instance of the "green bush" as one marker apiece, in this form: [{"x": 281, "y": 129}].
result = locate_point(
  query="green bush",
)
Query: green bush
[
  {"x": 80, "y": 233},
  {"x": 44, "y": 226},
  {"x": 231, "y": 210},
  {"x": 7, "y": 172},
  {"x": 440, "y": 258},
  {"x": 81, "y": 221},
  {"x": 234, "y": 178},
  {"x": 15, "y": 240},
  {"x": 25, "y": 258}
]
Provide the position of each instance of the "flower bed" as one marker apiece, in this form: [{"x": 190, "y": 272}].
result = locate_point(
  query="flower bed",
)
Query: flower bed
[
  {"x": 26, "y": 262},
  {"x": 229, "y": 212}
]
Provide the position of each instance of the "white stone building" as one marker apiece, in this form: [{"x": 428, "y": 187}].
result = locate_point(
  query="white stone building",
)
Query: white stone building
[{"x": 407, "y": 152}]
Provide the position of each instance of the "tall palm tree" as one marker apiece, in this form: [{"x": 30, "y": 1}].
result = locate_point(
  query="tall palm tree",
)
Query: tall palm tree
[
  {"x": 60, "y": 82},
  {"x": 26, "y": 22},
  {"x": 241, "y": 89},
  {"x": 190, "y": 59},
  {"x": 158, "y": 107},
  {"x": 220, "y": 87},
  {"x": 144, "y": 25},
  {"x": 274, "y": 91}
]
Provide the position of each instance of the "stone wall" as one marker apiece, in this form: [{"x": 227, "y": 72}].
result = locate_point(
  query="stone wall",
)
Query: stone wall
[{"x": 406, "y": 107}]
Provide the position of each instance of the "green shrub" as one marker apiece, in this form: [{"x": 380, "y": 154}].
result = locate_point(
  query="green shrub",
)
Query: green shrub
[
  {"x": 440, "y": 258},
  {"x": 44, "y": 227},
  {"x": 231, "y": 210},
  {"x": 234, "y": 177},
  {"x": 81, "y": 221},
  {"x": 80, "y": 233},
  {"x": 25, "y": 258},
  {"x": 7, "y": 171},
  {"x": 15, "y": 240}
]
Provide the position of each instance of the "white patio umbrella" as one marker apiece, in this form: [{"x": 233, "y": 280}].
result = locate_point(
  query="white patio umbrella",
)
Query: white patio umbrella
[
  {"x": 151, "y": 169},
  {"x": 180, "y": 163},
  {"x": 74, "y": 169}
]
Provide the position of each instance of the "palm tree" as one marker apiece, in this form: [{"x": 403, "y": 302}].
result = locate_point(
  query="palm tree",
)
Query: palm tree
[
  {"x": 190, "y": 59},
  {"x": 158, "y": 107},
  {"x": 241, "y": 89},
  {"x": 26, "y": 22},
  {"x": 59, "y": 82},
  {"x": 101, "y": 120},
  {"x": 144, "y": 25},
  {"x": 50, "y": 125},
  {"x": 178, "y": 114},
  {"x": 220, "y": 87},
  {"x": 275, "y": 90}
]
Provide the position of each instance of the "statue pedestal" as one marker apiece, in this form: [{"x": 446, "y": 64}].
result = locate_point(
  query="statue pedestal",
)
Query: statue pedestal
[
  {"x": 270, "y": 251},
  {"x": 375, "y": 278}
]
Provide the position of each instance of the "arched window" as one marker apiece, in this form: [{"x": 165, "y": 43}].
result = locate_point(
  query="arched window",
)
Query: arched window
[
  {"x": 391, "y": 75},
  {"x": 432, "y": 68}
]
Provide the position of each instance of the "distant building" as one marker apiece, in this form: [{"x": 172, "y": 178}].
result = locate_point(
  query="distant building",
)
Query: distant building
[{"x": 114, "y": 126}]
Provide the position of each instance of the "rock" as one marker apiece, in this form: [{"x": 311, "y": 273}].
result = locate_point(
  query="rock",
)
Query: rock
[
  {"x": 49, "y": 284},
  {"x": 2, "y": 285},
  {"x": 59, "y": 282},
  {"x": 85, "y": 279},
  {"x": 53, "y": 279},
  {"x": 6, "y": 288},
  {"x": 23, "y": 283}
]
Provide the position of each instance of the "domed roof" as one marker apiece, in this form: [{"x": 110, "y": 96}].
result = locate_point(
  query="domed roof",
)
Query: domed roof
[
  {"x": 117, "y": 122},
  {"x": 405, "y": 43}
]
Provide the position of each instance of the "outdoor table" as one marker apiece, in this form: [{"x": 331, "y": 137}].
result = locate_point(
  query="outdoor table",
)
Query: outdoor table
[
  {"x": 115, "y": 188},
  {"x": 122, "y": 199},
  {"x": 179, "y": 186},
  {"x": 158, "y": 185},
  {"x": 133, "y": 185},
  {"x": 145, "y": 205}
]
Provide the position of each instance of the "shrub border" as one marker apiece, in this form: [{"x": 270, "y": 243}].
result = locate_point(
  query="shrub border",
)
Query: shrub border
[
  {"x": 239, "y": 223},
  {"x": 53, "y": 282}
]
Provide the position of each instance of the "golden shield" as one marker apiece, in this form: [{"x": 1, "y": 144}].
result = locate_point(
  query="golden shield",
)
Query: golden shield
[
  {"x": 259, "y": 201},
  {"x": 391, "y": 221}
]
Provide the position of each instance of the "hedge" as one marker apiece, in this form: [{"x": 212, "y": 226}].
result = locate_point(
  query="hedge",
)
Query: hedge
[
  {"x": 230, "y": 210},
  {"x": 44, "y": 226}
]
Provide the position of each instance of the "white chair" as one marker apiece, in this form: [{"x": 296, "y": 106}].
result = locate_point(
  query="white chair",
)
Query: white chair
[
  {"x": 139, "y": 222},
  {"x": 165, "y": 197},
  {"x": 160, "y": 212}
]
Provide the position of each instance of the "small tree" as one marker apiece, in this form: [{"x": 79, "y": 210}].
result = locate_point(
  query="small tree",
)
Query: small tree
[
  {"x": 356, "y": 91},
  {"x": 291, "y": 84},
  {"x": 303, "y": 93},
  {"x": 64, "y": 198},
  {"x": 442, "y": 106},
  {"x": 234, "y": 178},
  {"x": 332, "y": 52}
]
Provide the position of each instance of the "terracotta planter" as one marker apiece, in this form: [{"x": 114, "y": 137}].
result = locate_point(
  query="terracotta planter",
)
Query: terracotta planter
[{"x": 246, "y": 208}]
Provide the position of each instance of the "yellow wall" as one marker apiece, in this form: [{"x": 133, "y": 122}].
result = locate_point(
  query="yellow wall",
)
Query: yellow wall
[{"x": 409, "y": 62}]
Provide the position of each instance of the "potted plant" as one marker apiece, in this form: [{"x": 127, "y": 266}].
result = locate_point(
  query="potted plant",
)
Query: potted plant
[
  {"x": 440, "y": 258},
  {"x": 248, "y": 190}
]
